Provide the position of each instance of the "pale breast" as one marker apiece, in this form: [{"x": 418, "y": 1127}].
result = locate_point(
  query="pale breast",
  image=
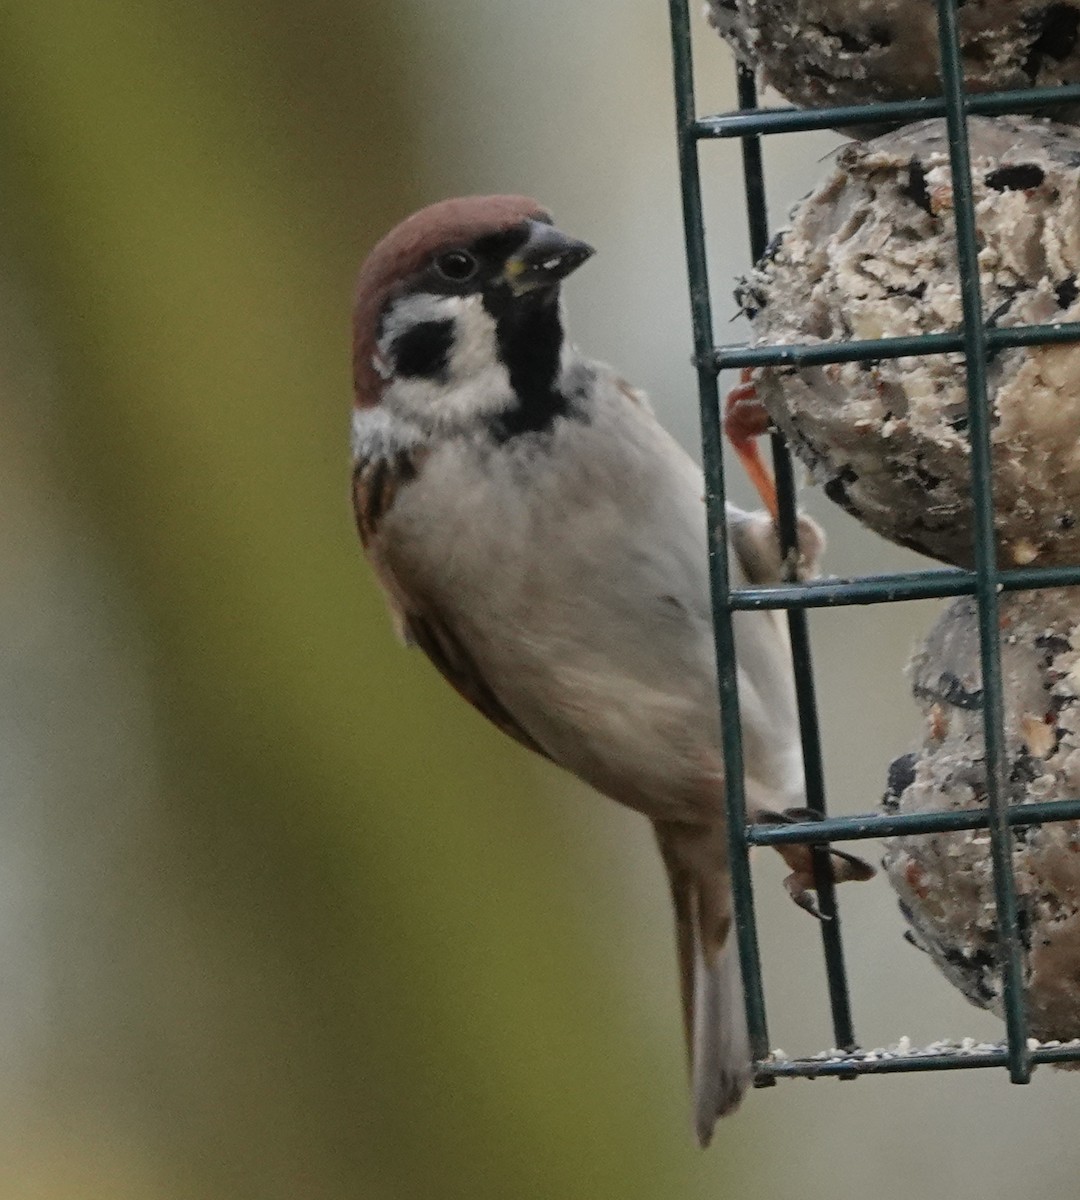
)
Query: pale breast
[{"x": 573, "y": 568}]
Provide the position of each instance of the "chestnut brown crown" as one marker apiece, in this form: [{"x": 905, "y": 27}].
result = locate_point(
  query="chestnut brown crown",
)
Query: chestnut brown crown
[{"x": 407, "y": 248}]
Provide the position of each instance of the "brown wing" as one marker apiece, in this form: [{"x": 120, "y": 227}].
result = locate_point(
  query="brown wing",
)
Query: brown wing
[
  {"x": 457, "y": 666},
  {"x": 375, "y": 486},
  {"x": 682, "y": 899},
  {"x": 376, "y": 483}
]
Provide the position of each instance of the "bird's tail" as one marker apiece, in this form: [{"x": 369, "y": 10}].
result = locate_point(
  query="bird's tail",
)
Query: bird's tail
[
  {"x": 720, "y": 1050},
  {"x": 711, "y": 983}
]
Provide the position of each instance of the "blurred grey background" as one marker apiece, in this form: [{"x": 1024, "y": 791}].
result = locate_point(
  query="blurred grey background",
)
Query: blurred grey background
[{"x": 280, "y": 917}]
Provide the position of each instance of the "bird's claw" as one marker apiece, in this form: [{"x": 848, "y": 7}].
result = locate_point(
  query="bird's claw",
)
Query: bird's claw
[
  {"x": 800, "y": 884},
  {"x": 801, "y": 890}
]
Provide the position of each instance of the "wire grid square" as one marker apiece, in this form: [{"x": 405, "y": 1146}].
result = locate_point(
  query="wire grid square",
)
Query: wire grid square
[{"x": 984, "y": 582}]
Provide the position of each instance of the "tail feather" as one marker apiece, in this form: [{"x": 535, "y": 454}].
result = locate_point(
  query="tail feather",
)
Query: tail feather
[
  {"x": 714, "y": 1014},
  {"x": 720, "y": 1051}
]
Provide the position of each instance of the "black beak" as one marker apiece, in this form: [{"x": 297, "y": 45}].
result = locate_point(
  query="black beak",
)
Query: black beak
[{"x": 547, "y": 257}]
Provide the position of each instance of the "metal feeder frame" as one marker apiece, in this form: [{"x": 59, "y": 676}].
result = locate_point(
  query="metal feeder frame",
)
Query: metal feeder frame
[{"x": 976, "y": 340}]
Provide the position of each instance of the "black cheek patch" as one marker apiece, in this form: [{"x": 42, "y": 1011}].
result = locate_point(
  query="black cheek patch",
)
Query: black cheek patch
[{"x": 424, "y": 350}]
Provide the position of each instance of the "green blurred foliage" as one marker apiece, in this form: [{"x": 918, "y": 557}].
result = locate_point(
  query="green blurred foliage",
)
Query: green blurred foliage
[{"x": 344, "y": 949}]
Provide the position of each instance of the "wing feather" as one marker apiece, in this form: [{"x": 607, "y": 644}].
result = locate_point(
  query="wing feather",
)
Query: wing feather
[
  {"x": 459, "y": 669},
  {"x": 376, "y": 483}
]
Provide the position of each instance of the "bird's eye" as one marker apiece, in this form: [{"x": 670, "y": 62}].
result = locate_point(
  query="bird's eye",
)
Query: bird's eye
[{"x": 456, "y": 265}]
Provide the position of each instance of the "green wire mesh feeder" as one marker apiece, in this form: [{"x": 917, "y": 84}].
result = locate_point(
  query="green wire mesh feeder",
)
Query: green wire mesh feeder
[{"x": 977, "y": 340}]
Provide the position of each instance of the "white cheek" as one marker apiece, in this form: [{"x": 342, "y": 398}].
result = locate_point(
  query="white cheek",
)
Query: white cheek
[
  {"x": 479, "y": 383},
  {"x": 476, "y": 383},
  {"x": 416, "y": 309},
  {"x": 475, "y": 339}
]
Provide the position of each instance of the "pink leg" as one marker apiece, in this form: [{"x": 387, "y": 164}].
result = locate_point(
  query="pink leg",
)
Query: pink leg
[{"x": 745, "y": 420}]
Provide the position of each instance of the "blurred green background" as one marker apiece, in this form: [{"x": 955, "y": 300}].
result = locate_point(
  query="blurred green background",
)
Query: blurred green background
[{"x": 279, "y": 916}]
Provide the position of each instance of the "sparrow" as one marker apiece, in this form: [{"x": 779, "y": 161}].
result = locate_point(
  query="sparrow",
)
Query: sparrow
[{"x": 542, "y": 539}]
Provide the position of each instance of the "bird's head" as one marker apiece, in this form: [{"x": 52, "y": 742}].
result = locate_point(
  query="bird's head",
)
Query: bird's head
[{"x": 457, "y": 312}]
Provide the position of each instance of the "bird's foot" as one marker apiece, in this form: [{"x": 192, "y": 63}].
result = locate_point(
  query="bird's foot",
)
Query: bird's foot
[
  {"x": 800, "y": 884},
  {"x": 745, "y": 420}
]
